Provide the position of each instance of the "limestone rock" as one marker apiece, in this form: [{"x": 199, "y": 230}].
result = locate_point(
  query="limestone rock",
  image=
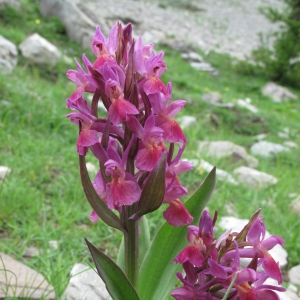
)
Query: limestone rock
[
  {"x": 192, "y": 57},
  {"x": 91, "y": 167},
  {"x": 220, "y": 174},
  {"x": 290, "y": 144},
  {"x": 261, "y": 136},
  {"x": 13, "y": 3},
  {"x": 295, "y": 205},
  {"x": 220, "y": 26},
  {"x": 278, "y": 253},
  {"x": 222, "y": 149},
  {"x": 187, "y": 121},
  {"x": 247, "y": 105},
  {"x": 277, "y": 92},
  {"x": 85, "y": 283},
  {"x": 214, "y": 98},
  {"x": 4, "y": 171},
  {"x": 294, "y": 275},
  {"x": 153, "y": 36},
  {"x": 267, "y": 149},
  {"x": 79, "y": 26},
  {"x": 8, "y": 55},
  {"x": 289, "y": 294},
  {"x": 205, "y": 67},
  {"x": 39, "y": 50},
  {"x": 20, "y": 281},
  {"x": 253, "y": 178},
  {"x": 31, "y": 251},
  {"x": 53, "y": 244}
]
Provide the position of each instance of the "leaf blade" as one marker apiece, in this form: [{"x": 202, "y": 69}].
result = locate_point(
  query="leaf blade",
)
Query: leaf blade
[
  {"x": 168, "y": 242},
  {"x": 115, "y": 280}
]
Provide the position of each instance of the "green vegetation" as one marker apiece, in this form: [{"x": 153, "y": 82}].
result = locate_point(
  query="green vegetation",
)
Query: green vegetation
[
  {"x": 42, "y": 199},
  {"x": 281, "y": 63}
]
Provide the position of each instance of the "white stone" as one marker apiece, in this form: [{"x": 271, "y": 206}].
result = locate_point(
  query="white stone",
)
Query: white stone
[
  {"x": 294, "y": 275},
  {"x": 91, "y": 167},
  {"x": 283, "y": 135},
  {"x": 85, "y": 283},
  {"x": 187, "y": 121},
  {"x": 251, "y": 161},
  {"x": 261, "y": 136},
  {"x": 222, "y": 149},
  {"x": 277, "y": 92},
  {"x": 153, "y": 36},
  {"x": 39, "y": 50},
  {"x": 290, "y": 144},
  {"x": 220, "y": 174},
  {"x": 205, "y": 67},
  {"x": 253, "y": 178},
  {"x": 31, "y": 251},
  {"x": 212, "y": 97},
  {"x": 13, "y": 3},
  {"x": 293, "y": 195},
  {"x": 221, "y": 26},
  {"x": 8, "y": 56},
  {"x": 4, "y": 171},
  {"x": 79, "y": 26},
  {"x": 53, "y": 245},
  {"x": 245, "y": 104},
  {"x": 289, "y": 294},
  {"x": 236, "y": 224},
  {"x": 295, "y": 205},
  {"x": 19, "y": 281},
  {"x": 192, "y": 56},
  {"x": 267, "y": 149}
]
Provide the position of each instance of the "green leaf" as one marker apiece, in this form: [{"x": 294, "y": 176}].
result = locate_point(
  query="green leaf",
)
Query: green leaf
[
  {"x": 115, "y": 280},
  {"x": 157, "y": 273},
  {"x": 144, "y": 243},
  {"x": 154, "y": 190},
  {"x": 106, "y": 215}
]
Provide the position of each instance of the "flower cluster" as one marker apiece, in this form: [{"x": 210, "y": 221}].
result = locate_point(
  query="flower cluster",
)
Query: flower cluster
[
  {"x": 213, "y": 266},
  {"x": 139, "y": 130}
]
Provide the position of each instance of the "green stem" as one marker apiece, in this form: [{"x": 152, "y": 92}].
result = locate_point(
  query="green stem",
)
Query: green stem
[{"x": 131, "y": 245}]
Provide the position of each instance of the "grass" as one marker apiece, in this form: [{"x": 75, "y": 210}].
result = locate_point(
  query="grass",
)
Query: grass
[{"x": 42, "y": 199}]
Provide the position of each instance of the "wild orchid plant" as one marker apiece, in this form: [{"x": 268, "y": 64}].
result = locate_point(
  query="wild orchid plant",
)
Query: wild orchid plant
[{"x": 139, "y": 146}]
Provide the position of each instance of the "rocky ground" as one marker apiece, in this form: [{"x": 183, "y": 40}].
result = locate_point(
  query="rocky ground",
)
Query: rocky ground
[{"x": 226, "y": 26}]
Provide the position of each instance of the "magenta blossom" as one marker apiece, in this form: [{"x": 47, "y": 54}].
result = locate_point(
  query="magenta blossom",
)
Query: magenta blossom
[
  {"x": 211, "y": 267},
  {"x": 200, "y": 238},
  {"x": 261, "y": 246},
  {"x": 138, "y": 129}
]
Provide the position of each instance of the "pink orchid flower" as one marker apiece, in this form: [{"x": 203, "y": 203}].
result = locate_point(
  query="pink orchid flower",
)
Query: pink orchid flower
[
  {"x": 105, "y": 50},
  {"x": 80, "y": 79},
  {"x": 261, "y": 246},
  {"x": 151, "y": 146},
  {"x": 151, "y": 68},
  {"x": 176, "y": 214},
  {"x": 119, "y": 108},
  {"x": 199, "y": 238},
  {"x": 87, "y": 136}
]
